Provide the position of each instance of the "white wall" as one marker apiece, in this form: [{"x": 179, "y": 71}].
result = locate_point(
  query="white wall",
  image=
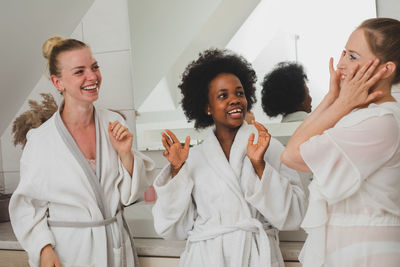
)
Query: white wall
[
  {"x": 388, "y": 8},
  {"x": 163, "y": 29},
  {"x": 105, "y": 27},
  {"x": 391, "y": 9}
]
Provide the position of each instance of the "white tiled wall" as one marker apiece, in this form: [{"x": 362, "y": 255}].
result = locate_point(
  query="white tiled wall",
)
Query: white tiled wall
[
  {"x": 116, "y": 90},
  {"x": 11, "y": 154},
  {"x": 105, "y": 28},
  {"x": 11, "y": 180}
]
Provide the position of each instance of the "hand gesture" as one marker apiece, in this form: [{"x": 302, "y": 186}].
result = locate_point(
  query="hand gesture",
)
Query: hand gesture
[
  {"x": 48, "y": 257},
  {"x": 334, "y": 81},
  {"x": 121, "y": 138},
  {"x": 355, "y": 91},
  {"x": 256, "y": 151},
  {"x": 175, "y": 153}
]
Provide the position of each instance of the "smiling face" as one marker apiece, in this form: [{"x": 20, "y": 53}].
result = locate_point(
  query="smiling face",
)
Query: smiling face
[
  {"x": 80, "y": 76},
  {"x": 356, "y": 52},
  {"x": 226, "y": 101}
]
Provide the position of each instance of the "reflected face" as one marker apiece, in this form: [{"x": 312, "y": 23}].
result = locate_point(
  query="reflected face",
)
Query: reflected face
[
  {"x": 227, "y": 101},
  {"x": 80, "y": 76},
  {"x": 306, "y": 105},
  {"x": 356, "y": 52}
]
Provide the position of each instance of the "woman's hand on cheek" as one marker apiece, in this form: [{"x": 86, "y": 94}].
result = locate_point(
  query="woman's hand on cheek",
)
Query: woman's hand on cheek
[
  {"x": 356, "y": 88},
  {"x": 175, "y": 153}
]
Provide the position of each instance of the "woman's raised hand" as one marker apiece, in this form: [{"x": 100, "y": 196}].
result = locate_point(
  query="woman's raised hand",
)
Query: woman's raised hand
[
  {"x": 356, "y": 88},
  {"x": 175, "y": 153},
  {"x": 121, "y": 138},
  {"x": 256, "y": 151}
]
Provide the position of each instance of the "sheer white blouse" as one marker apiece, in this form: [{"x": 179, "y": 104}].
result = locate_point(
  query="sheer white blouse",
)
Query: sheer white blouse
[{"x": 353, "y": 218}]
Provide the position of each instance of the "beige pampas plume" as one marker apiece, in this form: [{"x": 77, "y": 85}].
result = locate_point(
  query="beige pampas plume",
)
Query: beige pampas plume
[{"x": 33, "y": 118}]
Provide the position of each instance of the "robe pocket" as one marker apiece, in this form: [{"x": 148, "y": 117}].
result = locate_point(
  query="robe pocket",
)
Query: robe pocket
[{"x": 128, "y": 254}]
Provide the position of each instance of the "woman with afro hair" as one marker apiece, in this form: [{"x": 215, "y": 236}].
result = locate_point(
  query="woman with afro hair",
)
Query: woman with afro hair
[
  {"x": 285, "y": 92},
  {"x": 230, "y": 195}
]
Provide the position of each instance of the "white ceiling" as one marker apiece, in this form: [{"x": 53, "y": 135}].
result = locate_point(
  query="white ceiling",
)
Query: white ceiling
[{"x": 24, "y": 26}]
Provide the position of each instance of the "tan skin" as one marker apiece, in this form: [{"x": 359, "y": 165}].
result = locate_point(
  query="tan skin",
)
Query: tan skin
[
  {"x": 360, "y": 79},
  {"x": 79, "y": 81},
  {"x": 227, "y": 105}
]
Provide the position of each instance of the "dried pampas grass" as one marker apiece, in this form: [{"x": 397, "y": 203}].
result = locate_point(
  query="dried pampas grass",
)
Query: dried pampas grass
[{"x": 33, "y": 118}]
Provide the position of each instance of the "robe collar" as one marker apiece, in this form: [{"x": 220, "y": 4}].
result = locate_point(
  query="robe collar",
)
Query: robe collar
[
  {"x": 229, "y": 171},
  {"x": 237, "y": 153},
  {"x": 94, "y": 179}
]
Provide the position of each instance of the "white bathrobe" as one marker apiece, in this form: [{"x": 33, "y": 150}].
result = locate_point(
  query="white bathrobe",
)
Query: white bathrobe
[
  {"x": 353, "y": 218},
  {"x": 229, "y": 216},
  {"x": 55, "y": 187}
]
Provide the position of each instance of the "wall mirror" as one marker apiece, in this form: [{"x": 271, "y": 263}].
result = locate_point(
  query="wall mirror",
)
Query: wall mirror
[{"x": 166, "y": 38}]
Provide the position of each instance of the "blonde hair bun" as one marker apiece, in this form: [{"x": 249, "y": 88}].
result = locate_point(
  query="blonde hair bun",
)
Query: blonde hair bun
[{"x": 49, "y": 44}]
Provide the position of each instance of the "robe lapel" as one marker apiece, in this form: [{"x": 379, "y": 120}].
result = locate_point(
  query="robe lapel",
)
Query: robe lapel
[
  {"x": 229, "y": 172},
  {"x": 94, "y": 179},
  {"x": 239, "y": 150},
  {"x": 98, "y": 147}
]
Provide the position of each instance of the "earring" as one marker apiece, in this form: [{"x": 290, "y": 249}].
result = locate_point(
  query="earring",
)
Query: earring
[{"x": 209, "y": 113}]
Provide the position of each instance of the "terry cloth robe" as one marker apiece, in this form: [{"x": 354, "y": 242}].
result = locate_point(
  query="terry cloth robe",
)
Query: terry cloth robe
[
  {"x": 229, "y": 216},
  {"x": 353, "y": 218},
  {"x": 295, "y": 116},
  {"x": 54, "y": 187}
]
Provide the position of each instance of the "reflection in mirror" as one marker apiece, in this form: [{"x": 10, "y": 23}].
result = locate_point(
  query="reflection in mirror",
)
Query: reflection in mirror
[{"x": 265, "y": 32}]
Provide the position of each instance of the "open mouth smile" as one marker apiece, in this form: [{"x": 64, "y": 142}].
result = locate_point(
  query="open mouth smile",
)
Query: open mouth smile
[
  {"x": 90, "y": 87},
  {"x": 235, "y": 111}
]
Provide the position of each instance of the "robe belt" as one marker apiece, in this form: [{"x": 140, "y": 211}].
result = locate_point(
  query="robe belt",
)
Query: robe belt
[
  {"x": 117, "y": 218},
  {"x": 252, "y": 225},
  {"x": 248, "y": 225}
]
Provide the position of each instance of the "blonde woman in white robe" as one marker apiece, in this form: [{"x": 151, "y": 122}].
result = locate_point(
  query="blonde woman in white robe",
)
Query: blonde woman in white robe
[
  {"x": 78, "y": 170},
  {"x": 351, "y": 143},
  {"x": 230, "y": 195}
]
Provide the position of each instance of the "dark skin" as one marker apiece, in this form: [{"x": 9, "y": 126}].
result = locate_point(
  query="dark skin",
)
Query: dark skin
[
  {"x": 227, "y": 106},
  {"x": 306, "y": 104}
]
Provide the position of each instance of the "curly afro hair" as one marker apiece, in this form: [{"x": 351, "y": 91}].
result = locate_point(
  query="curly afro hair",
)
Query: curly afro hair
[
  {"x": 198, "y": 75},
  {"x": 283, "y": 89}
]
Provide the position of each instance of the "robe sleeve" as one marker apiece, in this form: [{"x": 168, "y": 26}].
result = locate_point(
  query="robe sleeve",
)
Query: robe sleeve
[
  {"x": 342, "y": 157},
  {"x": 132, "y": 187},
  {"x": 279, "y": 195},
  {"x": 174, "y": 211},
  {"x": 28, "y": 214}
]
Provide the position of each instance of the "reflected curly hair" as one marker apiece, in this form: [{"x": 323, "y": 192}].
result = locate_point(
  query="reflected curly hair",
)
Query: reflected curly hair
[
  {"x": 283, "y": 89},
  {"x": 199, "y": 73}
]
